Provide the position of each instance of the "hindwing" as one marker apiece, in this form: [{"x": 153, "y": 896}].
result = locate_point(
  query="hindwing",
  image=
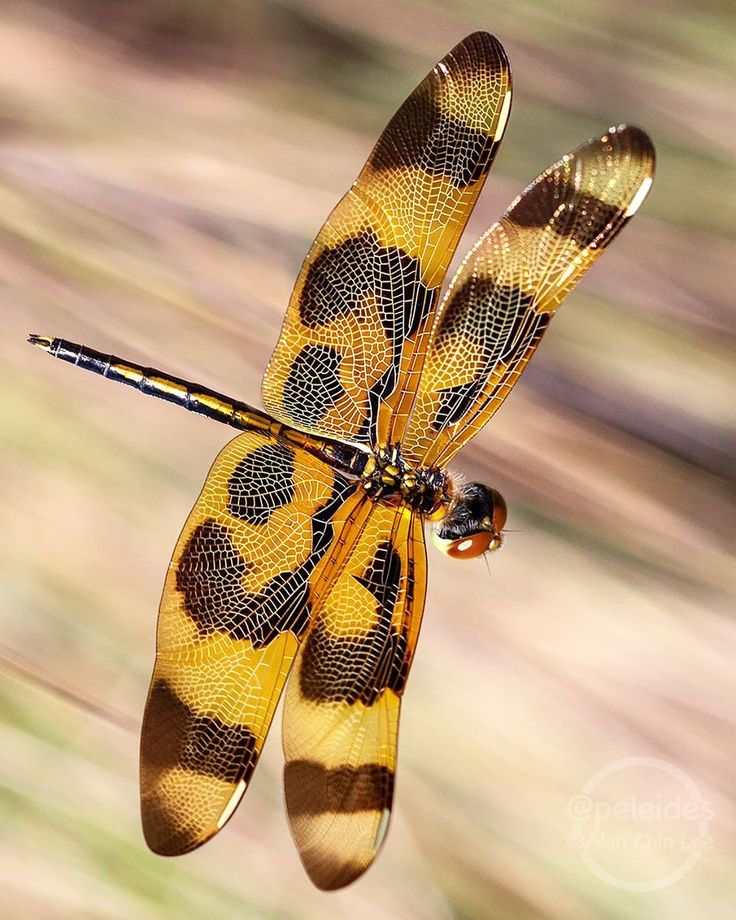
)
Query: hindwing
[
  {"x": 342, "y": 706},
  {"x": 235, "y": 606}
]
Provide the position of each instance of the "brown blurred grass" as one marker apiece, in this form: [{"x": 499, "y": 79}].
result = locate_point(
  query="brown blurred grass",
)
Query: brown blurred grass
[{"x": 163, "y": 168}]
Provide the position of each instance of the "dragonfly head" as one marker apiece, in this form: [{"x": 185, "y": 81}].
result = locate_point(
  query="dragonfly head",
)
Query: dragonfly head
[{"x": 473, "y": 524}]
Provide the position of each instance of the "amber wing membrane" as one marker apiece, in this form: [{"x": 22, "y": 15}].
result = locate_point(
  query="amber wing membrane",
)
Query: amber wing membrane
[
  {"x": 503, "y": 296},
  {"x": 342, "y": 702},
  {"x": 348, "y": 360},
  {"x": 235, "y": 606}
]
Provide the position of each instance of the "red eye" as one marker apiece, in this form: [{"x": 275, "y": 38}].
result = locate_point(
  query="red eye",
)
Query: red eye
[
  {"x": 467, "y": 547},
  {"x": 500, "y": 512}
]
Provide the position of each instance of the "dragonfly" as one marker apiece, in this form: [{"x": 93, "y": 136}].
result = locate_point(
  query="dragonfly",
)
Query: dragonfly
[{"x": 304, "y": 555}]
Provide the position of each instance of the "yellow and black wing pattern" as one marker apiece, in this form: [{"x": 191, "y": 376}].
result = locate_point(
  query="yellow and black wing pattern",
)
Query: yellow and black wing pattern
[
  {"x": 235, "y": 606},
  {"x": 283, "y": 559},
  {"x": 348, "y": 359},
  {"x": 510, "y": 284},
  {"x": 342, "y": 704}
]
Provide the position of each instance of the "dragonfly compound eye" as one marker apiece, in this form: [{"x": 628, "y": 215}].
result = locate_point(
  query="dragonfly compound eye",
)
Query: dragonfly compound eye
[{"x": 468, "y": 546}]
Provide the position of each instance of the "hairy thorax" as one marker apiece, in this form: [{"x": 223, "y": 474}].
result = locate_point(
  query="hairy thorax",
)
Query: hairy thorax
[{"x": 387, "y": 477}]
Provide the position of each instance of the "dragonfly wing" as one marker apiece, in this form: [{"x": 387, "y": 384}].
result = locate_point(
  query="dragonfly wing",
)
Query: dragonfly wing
[
  {"x": 347, "y": 362},
  {"x": 342, "y": 705},
  {"x": 503, "y": 296},
  {"x": 235, "y": 606}
]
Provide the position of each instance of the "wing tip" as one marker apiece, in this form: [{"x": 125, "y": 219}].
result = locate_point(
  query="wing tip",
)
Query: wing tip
[
  {"x": 480, "y": 37},
  {"x": 638, "y": 143},
  {"x": 328, "y": 875},
  {"x": 634, "y": 182},
  {"x": 480, "y": 46},
  {"x": 339, "y": 817},
  {"x": 167, "y": 841},
  {"x": 635, "y": 138}
]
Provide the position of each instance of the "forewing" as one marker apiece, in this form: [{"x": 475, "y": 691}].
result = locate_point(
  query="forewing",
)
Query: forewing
[
  {"x": 234, "y": 608},
  {"x": 504, "y": 295},
  {"x": 342, "y": 705},
  {"x": 348, "y": 359}
]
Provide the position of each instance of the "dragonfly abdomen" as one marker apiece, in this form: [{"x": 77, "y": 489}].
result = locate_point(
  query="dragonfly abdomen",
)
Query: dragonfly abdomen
[{"x": 200, "y": 400}]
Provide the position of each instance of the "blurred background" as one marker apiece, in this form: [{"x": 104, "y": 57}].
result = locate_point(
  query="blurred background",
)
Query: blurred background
[{"x": 163, "y": 169}]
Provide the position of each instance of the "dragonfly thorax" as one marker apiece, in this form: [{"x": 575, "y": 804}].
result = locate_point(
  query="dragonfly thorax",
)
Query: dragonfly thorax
[{"x": 389, "y": 478}]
